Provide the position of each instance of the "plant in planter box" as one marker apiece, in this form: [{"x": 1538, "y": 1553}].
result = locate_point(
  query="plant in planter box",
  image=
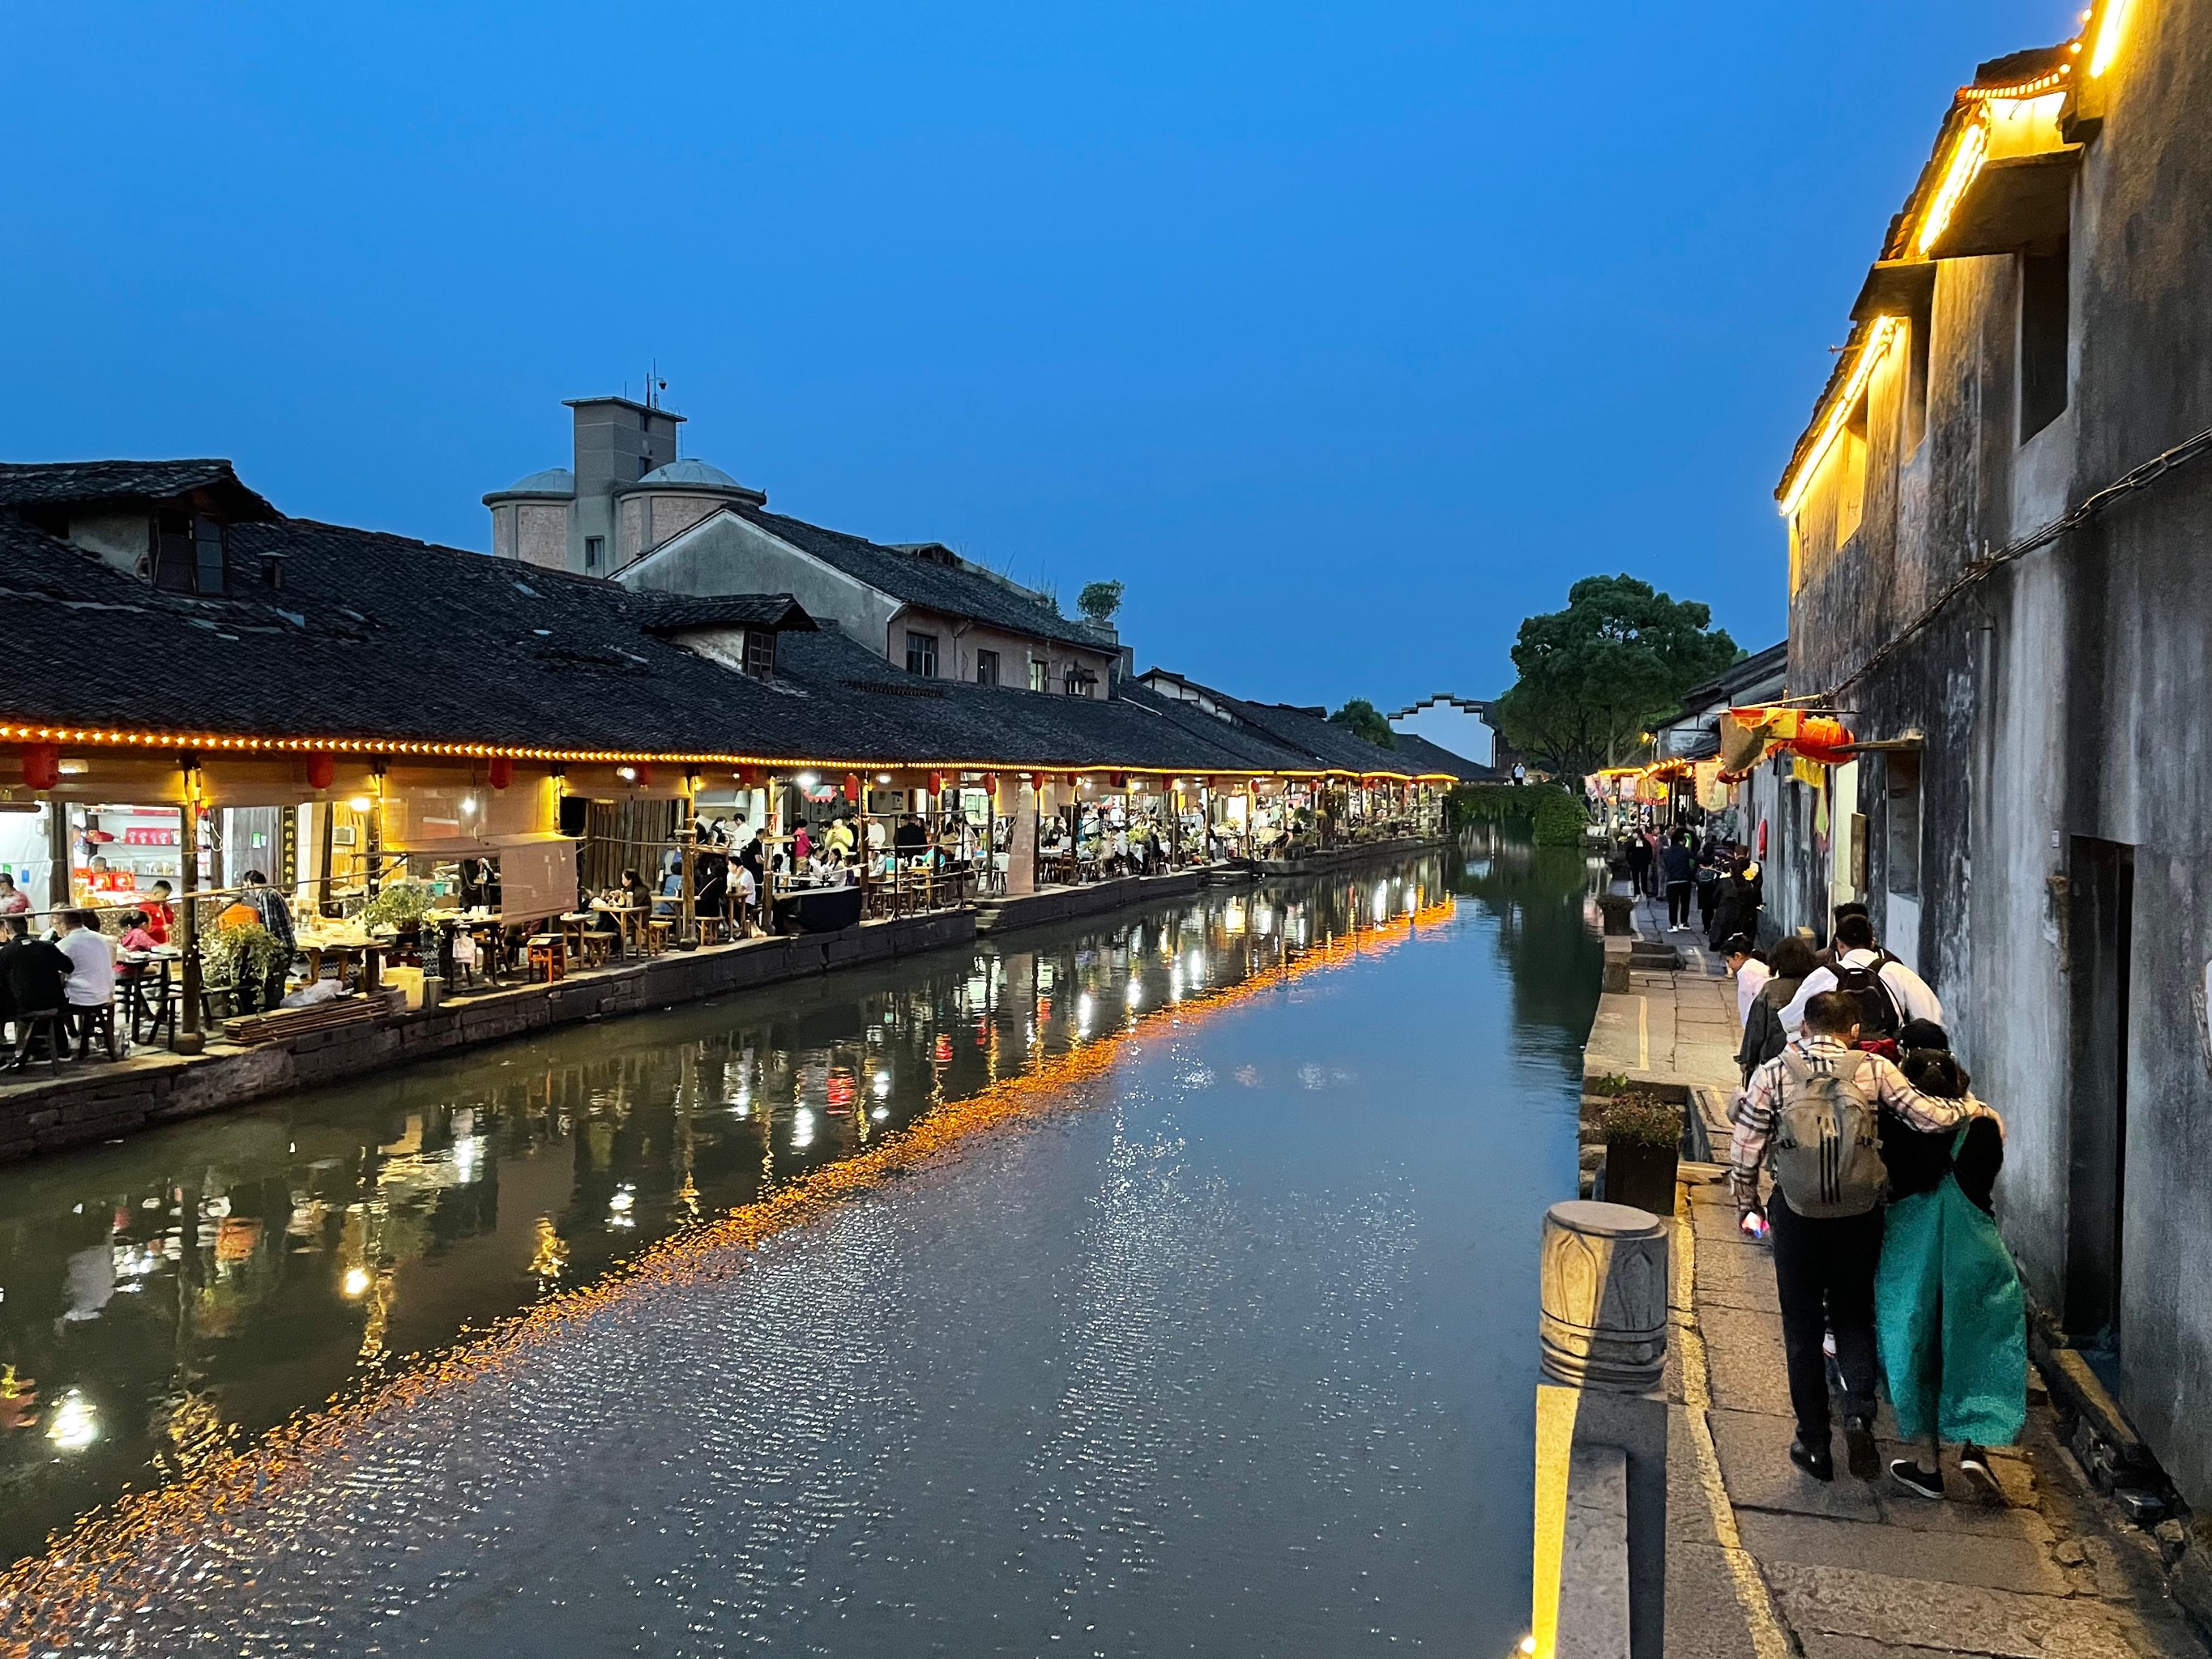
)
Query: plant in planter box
[
  {"x": 1643, "y": 1136},
  {"x": 400, "y": 906},
  {"x": 248, "y": 956}
]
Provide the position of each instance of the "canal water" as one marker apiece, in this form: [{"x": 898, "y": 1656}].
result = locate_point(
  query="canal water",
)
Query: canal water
[{"x": 1206, "y": 1324}]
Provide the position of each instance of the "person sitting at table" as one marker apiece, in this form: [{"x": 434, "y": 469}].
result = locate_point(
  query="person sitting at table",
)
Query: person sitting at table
[
  {"x": 32, "y": 971},
  {"x": 671, "y": 895},
  {"x": 91, "y": 983},
  {"x": 832, "y": 871},
  {"x": 13, "y": 900},
  {"x": 746, "y": 895},
  {"x": 911, "y": 837},
  {"x": 710, "y": 883},
  {"x": 136, "y": 936}
]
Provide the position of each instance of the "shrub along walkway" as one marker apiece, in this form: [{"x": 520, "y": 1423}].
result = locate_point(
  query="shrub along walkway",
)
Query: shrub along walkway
[{"x": 1763, "y": 1561}]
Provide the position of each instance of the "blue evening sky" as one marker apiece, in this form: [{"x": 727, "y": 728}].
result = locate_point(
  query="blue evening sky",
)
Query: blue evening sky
[{"x": 1344, "y": 335}]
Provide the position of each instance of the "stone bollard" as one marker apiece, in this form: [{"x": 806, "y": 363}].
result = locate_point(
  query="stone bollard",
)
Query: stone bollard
[
  {"x": 1620, "y": 953},
  {"x": 1619, "y": 911},
  {"x": 1603, "y": 1296},
  {"x": 1600, "y": 1534}
]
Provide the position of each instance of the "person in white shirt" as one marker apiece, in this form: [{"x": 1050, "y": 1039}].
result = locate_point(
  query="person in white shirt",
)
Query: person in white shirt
[
  {"x": 1854, "y": 948},
  {"x": 91, "y": 983},
  {"x": 1751, "y": 974}
]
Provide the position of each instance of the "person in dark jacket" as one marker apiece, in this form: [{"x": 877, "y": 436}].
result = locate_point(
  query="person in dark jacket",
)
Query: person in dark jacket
[
  {"x": 1709, "y": 882},
  {"x": 1742, "y": 896},
  {"x": 1764, "y": 1037},
  {"x": 1680, "y": 866},
  {"x": 1639, "y": 854},
  {"x": 32, "y": 971}
]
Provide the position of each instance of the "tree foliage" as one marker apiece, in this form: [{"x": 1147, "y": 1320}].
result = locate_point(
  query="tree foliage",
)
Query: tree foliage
[
  {"x": 1594, "y": 676},
  {"x": 1363, "y": 720},
  {"x": 1099, "y": 601},
  {"x": 1556, "y": 817}
]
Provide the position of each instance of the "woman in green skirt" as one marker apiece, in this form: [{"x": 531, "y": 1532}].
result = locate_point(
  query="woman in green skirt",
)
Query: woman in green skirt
[{"x": 1948, "y": 1313}]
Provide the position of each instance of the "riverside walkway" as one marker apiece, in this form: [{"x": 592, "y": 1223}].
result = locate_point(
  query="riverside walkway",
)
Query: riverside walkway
[{"x": 1764, "y": 1562}]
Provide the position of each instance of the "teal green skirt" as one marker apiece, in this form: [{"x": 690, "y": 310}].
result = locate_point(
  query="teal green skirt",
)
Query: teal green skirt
[{"x": 1951, "y": 1320}]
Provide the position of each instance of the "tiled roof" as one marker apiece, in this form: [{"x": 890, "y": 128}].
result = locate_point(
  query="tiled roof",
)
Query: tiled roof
[
  {"x": 57, "y": 483},
  {"x": 377, "y": 637},
  {"x": 918, "y": 580},
  {"x": 775, "y": 610},
  {"x": 1417, "y": 755}
]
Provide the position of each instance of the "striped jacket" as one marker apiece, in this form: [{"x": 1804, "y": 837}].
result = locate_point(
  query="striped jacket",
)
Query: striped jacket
[{"x": 1755, "y": 1112}]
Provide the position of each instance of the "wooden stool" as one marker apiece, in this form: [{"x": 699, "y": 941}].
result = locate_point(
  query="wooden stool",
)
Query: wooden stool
[
  {"x": 656, "y": 936},
  {"x": 29, "y": 1027},
  {"x": 597, "y": 947},
  {"x": 548, "y": 954},
  {"x": 99, "y": 1020}
]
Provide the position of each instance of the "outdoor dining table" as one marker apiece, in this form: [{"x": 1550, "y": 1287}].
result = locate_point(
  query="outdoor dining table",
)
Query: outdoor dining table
[
  {"x": 144, "y": 992},
  {"x": 346, "y": 949}
]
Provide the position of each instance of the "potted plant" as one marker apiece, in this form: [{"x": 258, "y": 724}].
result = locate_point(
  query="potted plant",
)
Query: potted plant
[
  {"x": 1643, "y": 1136},
  {"x": 400, "y": 906}
]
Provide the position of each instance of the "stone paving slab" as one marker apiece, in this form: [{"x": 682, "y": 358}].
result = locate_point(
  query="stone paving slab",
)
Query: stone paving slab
[
  {"x": 2021, "y": 1564},
  {"x": 1926, "y": 1613}
]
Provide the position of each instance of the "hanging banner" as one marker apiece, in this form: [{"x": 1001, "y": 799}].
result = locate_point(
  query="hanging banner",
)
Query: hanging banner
[{"x": 1713, "y": 795}]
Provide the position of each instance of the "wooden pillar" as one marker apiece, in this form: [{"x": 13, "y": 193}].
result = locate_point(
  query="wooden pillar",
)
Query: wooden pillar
[
  {"x": 687, "y": 835},
  {"x": 374, "y": 838},
  {"x": 58, "y": 853},
  {"x": 190, "y": 1039}
]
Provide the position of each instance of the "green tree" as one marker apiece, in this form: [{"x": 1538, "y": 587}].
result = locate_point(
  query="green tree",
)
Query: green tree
[
  {"x": 1099, "y": 601},
  {"x": 1363, "y": 720},
  {"x": 1594, "y": 676}
]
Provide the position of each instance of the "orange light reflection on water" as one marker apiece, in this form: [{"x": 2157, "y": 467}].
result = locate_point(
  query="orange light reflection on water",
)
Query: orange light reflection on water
[{"x": 46, "y": 1600}]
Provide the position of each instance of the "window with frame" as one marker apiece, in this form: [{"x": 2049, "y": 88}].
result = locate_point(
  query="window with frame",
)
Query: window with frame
[
  {"x": 987, "y": 668},
  {"x": 921, "y": 654},
  {"x": 760, "y": 653},
  {"x": 1072, "y": 681},
  {"x": 1039, "y": 674},
  {"x": 595, "y": 551},
  {"x": 189, "y": 554},
  {"x": 1901, "y": 785}
]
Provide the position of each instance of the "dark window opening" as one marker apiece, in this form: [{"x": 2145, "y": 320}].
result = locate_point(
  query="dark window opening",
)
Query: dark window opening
[
  {"x": 1902, "y": 781},
  {"x": 987, "y": 668},
  {"x": 760, "y": 653},
  {"x": 2044, "y": 318},
  {"x": 1039, "y": 674},
  {"x": 921, "y": 654},
  {"x": 595, "y": 551},
  {"x": 189, "y": 554}
]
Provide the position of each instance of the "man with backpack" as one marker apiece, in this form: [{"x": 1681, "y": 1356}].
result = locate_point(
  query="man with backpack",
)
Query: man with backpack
[
  {"x": 1887, "y": 992},
  {"x": 1813, "y": 1113}
]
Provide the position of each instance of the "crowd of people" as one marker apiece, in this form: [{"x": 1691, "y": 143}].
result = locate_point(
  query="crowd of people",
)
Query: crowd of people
[
  {"x": 1682, "y": 867},
  {"x": 58, "y": 984},
  {"x": 1860, "y": 1150}
]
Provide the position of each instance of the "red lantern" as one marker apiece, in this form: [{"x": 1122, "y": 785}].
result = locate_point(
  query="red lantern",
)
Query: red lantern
[
  {"x": 1821, "y": 739},
  {"x": 1074, "y": 781},
  {"x": 501, "y": 772},
  {"x": 1120, "y": 783},
  {"x": 321, "y": 769},
  {"x": 991, "y": 783},
  {"x": 644, "y": 775},
  {"x": 853, "y": 787},
  {"x": 42, "y": 765},
  {"x": 937, "y": 783}
]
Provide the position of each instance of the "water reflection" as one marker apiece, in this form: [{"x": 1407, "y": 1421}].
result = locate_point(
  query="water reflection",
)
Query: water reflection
[{"x": 164, "y": 1298}]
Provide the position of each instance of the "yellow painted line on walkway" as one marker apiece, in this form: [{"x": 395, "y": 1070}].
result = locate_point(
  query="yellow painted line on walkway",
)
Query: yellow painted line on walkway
[
  {"x": 1768, "y": 1639},
  {"x": 1643, "y": 1034}
]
